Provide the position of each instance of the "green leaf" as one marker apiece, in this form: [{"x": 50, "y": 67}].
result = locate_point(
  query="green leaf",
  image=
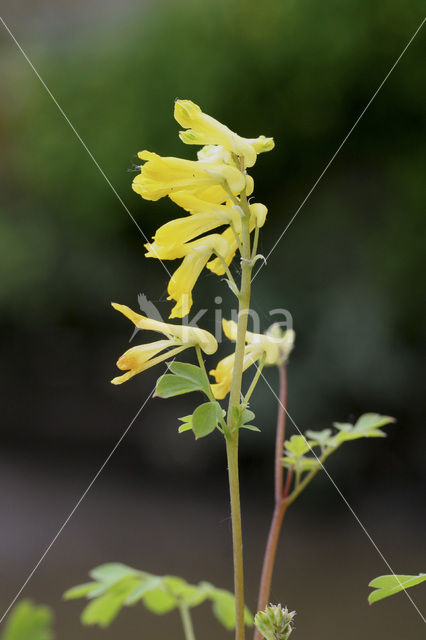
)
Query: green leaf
[
  {"x": 192, "y": 373},
  {"x": 158, "y": 601},
  {"x": 170, "y": 385},
  {"x": 250, "y": 427},
  {"x": 247, "y": 416},
  {"x": 104, "y": 609},
  {"x": 297, "y": 445},
  {"x": 386, "y": 586},
  {"x": 224, "y": 609},
  {"x": 190, "y": 594},
  {"x": 343, "y": 426},
  {"x": 29, "y": 622},
  {"x": 151, "y": 582},
  {"x": 187, "y": 424},
  {"x": 80, "y": 591},
  {"x": 111, "y": 572},
  {"x": 205, "y": 418},
  {"x": 121, "y": 586},
  {"x": 370, "y": 421},
  {"x": 367, "y": 426},
  {"x": 320, "y": 437}
]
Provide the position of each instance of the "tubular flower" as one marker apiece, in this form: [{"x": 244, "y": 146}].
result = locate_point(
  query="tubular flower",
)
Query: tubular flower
[
  {"x": 144, "y": 356},
  {"x": 257, "y": 219},
  {"x": 160, "y": 177},
  {"x": 195, "y": 255},
  {"x": 204, "y": 217},
  {"x": 273, "y": 347},
  {"x": 202, "y": 129},
  {"x": 175, "y": 239}
]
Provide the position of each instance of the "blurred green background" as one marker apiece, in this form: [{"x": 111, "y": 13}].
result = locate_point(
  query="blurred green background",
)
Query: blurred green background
[{"x": 349, "y": 270}]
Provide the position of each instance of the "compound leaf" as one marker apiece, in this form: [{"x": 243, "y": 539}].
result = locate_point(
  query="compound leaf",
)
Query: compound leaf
[{"x": 385, "y": 586}]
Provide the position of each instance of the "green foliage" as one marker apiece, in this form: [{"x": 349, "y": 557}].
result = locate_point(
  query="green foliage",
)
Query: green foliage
[
  {"x": 204, "y": 420},
  {"x": 116, "y": 586},
  {"x": 29, "y": 622},
  {"x": 243, "y": 417},
  {"x": 385, "y": 586},
  {"x": 367, "y": 426},
  {"x": 184, "y": 378}
]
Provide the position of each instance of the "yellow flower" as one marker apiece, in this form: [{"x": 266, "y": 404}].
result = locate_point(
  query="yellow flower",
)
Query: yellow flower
[
  {"x": 205, "y": 217},
  {"x": 257, "y": 219},
  {"x": 175, "y": 239},
  {"x": 204, "y": 130},
  {"x": 274, "y": 347},
  {"x": 184, "y": 278},
  {"x": 178, "y": 338},
  {"x": 160, "y": 177}
]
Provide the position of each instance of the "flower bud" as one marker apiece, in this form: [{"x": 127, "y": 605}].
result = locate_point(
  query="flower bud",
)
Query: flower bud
[
  {"x": 275, "y": 623},
  {"x": 284, "y": 339}
]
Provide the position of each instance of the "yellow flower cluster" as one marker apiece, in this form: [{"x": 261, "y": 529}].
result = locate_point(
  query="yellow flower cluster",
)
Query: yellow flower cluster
[
  {"x": 208, "y": 189},
  {"x": 271, "y": 347}
]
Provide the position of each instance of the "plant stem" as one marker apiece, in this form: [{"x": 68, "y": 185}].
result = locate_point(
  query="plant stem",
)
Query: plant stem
[
  {"x": 185, "y": 615},
  {"x": 280, "y": 433},
  {"x": 211, "y": 396},
  {"x": 309, "y": 477},
  {"x": 254, "y": 381},
  {"x": 232, "y": 433},
  {"x": 281, "y": 502}
]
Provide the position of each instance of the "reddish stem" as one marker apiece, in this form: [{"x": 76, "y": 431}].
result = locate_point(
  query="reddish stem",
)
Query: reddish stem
[
  {"x": 280, "y": 434},
  {"x": 280, "y": 500}
]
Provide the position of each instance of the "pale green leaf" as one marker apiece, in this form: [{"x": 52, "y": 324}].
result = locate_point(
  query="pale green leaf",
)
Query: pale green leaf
[
  {"x": 104, "y": 609},
  {"x": 151, "y": 582},
  {"x": 205, "y": 418},
  {"x": 192, "y": 373},
  {"x": 343, "y": 426},
  {"x": 187, "y": 424},
  {"x": 170, "y": 385},
  {"x": 224, "y": 609},
  {"x": 297, "y": 445},
  {"x": 158, "y": 601},
  {"x": 28, "y": 622},
  {"x": 247, "y": 416},
  {"x": 319, "y": 437},
  {"x": 386, "y": 586},
  {"x": 250, "y": 427},
  {"x": 370, "y": 421},
  {"x": 111, "y": 572},
  {"x": 80, "y": 591}
]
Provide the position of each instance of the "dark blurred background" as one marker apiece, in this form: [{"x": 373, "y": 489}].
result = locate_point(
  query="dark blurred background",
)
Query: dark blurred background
[{"x": 349, "y": 270}]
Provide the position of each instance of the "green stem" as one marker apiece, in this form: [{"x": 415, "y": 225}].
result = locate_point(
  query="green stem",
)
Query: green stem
[
  {"x": 232, "y": 434},
  {"x": 185, "y": 615},
  {"x": 255, "y": 242},
  {"x": 227, "y": 271},
  {"x": 309, "y": 477},
  {"x": 254, "y": 381},
  {"x": 211, "y": 396}
]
